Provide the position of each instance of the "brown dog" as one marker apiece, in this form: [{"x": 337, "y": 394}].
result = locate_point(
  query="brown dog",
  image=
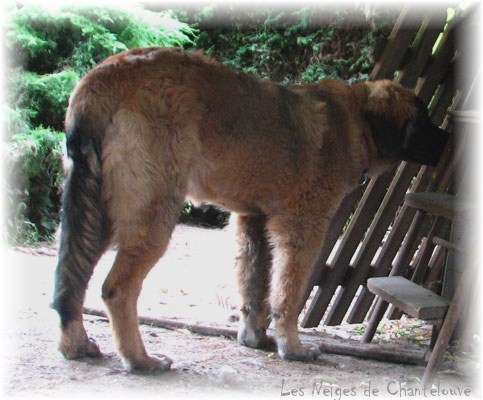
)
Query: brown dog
[{"x": 149, "y": 127}]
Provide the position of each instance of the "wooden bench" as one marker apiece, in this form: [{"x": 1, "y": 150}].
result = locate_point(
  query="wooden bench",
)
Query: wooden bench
[
  {"x": 419, "y": 302},
  {"x": 413, "y": 299},
  {"x": 442, "y": 204}
]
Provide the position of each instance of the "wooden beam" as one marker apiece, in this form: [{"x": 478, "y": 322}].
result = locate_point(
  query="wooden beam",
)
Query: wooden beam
[
  {"x": 331, "y": 346},
  {"x": 374, "y": 352},
  {"x": 209, "y": 330}
]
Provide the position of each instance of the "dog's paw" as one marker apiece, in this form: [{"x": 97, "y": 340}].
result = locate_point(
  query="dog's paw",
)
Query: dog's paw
[
  {"x": 154, "y": 364},
  {"x": 302, "y": 353},
  {"x": 79, "y": 349},
  {"x": 256, "y": 339}
]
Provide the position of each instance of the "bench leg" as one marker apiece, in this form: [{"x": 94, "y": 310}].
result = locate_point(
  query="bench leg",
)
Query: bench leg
[
  {"x": 435, "y": 333},
  {"x": 379, "y": 311},
  {"x": 447, "y": 329}
]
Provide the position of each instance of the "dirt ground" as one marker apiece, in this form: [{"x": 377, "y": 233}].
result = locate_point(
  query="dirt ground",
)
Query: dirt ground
[{"x": 194, "y": 282}]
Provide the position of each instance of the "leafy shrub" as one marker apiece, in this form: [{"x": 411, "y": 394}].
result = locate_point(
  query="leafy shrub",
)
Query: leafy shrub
[
  {"x": 49, "y": 50},
  {"x": 45, "y": 40},
  {"x": 34, "y": 168},
  {"x": 44, "y": 97},
  {"x": 295, "y": 46}
]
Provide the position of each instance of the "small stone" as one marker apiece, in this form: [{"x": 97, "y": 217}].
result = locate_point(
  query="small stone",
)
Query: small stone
[{"x": 227, "y": 375}]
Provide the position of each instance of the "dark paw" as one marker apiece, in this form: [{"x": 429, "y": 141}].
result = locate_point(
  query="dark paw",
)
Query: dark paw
[{"x": 256, "y": 339}]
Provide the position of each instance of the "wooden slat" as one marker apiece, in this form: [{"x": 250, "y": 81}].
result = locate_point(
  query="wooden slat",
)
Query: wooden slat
[
  {"x": 401, "y": 240},
  {"x": 402, "y": 264},
  {"x": 350, "y": 240},
  {"x": 443, "y": 98},
  {"x": 425, "y": 253},
  {"x": 399, "y": 40},
  {"x": 333, "y": 233},
  {"x": 389, "y": 249},
  {"x": 372, "y": 240},
  {"x": 432, "y": 26},
  {"x": 413, "y": 299},
  {"x": 437, "y": 66},
  {"x": 436, "y": 266}
]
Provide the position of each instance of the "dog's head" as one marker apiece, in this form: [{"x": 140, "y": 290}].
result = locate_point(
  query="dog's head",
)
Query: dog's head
[{"x": 400, "y": 125}]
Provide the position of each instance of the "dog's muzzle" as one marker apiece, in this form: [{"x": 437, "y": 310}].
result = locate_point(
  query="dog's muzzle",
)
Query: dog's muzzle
[{"x": 426, "y": 143}]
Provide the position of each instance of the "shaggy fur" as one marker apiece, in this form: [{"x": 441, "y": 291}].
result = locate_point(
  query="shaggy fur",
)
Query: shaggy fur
[{"x": 149, "y": 127}]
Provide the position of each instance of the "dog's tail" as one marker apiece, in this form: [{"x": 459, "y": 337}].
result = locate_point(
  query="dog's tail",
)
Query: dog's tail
[{"x": 84, "y": 222}]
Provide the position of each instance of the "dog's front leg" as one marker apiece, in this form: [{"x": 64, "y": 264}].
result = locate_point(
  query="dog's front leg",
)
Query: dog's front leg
[{"x": 296, "y": 247}]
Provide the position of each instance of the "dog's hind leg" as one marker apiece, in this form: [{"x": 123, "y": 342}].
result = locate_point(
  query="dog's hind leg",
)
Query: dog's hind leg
[
  {"x": 120, "y": 292},
  {"x": 84, "y": 237},
  {"x": 145, "y": 169},
  {"x": 135, "y": 258},
  {"x": 253, "y": 270}
]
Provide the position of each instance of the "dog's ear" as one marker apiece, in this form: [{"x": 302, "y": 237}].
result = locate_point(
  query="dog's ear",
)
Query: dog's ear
[{"x": 388, "y": 137}]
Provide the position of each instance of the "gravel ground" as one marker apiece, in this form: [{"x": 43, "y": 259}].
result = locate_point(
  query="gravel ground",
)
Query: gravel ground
[{"x": 194, "y": 282}]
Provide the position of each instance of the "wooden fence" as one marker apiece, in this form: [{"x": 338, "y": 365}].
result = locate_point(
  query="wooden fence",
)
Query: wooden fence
[{"x": 374, "y": 233}]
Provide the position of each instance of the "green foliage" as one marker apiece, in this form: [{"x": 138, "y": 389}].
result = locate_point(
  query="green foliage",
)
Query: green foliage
[
  {"x": 293, "y": 46},
  {"x": 43, "y": 97},
  {"x": 45, "y": 40},
  {"x": 49, "y": 50},
  {"x": 34, "y": 170}
]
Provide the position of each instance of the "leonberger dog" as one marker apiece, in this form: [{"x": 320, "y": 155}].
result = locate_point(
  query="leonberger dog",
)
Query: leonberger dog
[{"x": 148, "y": 128}]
